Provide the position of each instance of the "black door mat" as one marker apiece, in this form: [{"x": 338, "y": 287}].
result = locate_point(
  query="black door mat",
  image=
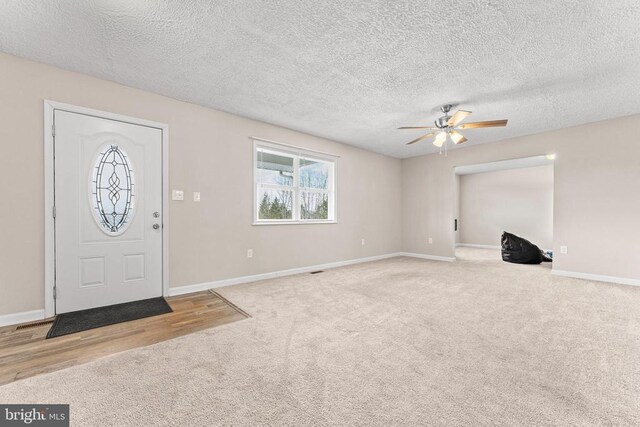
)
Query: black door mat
[{"x": 76, "y": 321}]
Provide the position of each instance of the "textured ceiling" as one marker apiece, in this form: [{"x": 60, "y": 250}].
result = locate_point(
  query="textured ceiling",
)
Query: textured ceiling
[{"x": 353, "y": 71}]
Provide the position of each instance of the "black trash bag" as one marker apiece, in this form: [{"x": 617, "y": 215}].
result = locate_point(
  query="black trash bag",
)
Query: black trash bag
[{"x": 521, "y": 251}]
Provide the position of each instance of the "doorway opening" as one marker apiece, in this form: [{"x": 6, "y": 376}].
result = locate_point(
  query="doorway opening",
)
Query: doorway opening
[{"x": 514, "y": 195}]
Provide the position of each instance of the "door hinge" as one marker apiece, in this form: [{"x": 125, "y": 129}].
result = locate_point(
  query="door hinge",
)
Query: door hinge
[
  {"x": 53, "y": 129},
  {"x": 55, "y": 292},
  {"x": 54, "y": 211}
]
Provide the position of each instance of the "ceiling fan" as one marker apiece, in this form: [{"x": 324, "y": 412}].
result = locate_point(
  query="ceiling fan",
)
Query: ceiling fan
[{"x": 448, "y": 126}]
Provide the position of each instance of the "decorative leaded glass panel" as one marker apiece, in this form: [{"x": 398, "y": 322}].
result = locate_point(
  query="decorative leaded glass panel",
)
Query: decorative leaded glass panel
[{"x": 112, "y": 184}]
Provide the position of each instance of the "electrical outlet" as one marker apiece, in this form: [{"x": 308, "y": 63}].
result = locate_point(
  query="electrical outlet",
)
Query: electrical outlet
[
  {"x": 430, "y": 240},
  {"x": 363, "y": 242},
  {"x": 249, "y": 253},
  {"x": 177, "y": 195},
  {"x": 563, "y": 249},
  {"x": 196, "y": 196}
]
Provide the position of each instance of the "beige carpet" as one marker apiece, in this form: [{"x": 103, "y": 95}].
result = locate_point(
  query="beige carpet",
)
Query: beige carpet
[{"x": 401, "y": 341}]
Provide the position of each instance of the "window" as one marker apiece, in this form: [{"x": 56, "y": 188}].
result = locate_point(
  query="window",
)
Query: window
[
  {"x": 112, "y": 190},
  {"x": 293, "y": 185}
]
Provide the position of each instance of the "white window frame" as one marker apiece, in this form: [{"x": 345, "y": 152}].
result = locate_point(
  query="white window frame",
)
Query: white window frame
[{"x": 297, "y": 153}]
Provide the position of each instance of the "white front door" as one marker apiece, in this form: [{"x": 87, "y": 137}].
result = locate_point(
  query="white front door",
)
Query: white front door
[{"x": 108, "y": 206}]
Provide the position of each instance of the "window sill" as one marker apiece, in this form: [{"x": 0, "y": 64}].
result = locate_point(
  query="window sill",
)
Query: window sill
[{"x": 294, "y": 222}]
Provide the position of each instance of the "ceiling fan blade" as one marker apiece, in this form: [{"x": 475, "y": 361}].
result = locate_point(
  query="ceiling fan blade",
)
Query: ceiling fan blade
[
  {"x": 457, "y": 137},
  {"x": 419, "y": 139},
  {"x": 440, "y": 139},
  {"x": 458, "y": 117},
  {"x": 417, "y": 127},
  {"x": 487, "y": 124}
]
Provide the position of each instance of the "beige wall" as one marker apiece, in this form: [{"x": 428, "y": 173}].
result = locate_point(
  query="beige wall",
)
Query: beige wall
[
  {"x": 596, "y": 194},
  {"x": 456, "y": 207},
  {"x": 394, "y": 205},
  {"x": 210, "y": 151},
  {"x": 519, "y": 201}
]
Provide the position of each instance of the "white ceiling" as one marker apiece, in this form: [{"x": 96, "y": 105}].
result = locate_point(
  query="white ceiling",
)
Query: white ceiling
[{"x": 353, "y": 71}]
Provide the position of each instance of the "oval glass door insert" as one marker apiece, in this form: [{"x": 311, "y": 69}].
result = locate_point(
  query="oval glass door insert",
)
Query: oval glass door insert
[{"x": 112, "y": 187}]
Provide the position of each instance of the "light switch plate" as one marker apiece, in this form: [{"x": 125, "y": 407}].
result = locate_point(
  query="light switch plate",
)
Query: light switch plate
[
  {"x": 563, "y": 249},
  {"x": 177, "y": 195},
  {"x": 196, "y": 196}
]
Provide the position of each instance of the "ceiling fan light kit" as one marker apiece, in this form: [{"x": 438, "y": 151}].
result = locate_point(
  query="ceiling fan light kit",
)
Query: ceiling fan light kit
[
  {"x": 440, "y": 139},
  {"x": 446, "y": 127}
]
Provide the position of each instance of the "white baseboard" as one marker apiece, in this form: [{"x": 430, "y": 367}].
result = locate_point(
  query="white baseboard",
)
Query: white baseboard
[
  {"x": 431, "y": 257},
  {"x": 473, "y": 245},
  {"x": 597, "y": 277},
  {"x": 181, "y": 290},
  {"x": 21, "y": 317},
  {"x": 29, "y": 316}
]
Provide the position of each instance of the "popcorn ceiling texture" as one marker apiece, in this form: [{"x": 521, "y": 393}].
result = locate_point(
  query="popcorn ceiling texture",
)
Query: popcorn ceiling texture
[{"x": 353, "y": 71}]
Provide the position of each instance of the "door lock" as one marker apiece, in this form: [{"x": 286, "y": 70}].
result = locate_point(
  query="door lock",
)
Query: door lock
[{"x": 156, "y": 214}]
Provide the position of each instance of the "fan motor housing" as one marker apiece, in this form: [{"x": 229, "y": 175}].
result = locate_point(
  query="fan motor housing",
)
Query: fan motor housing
[{"x": 441, "y": 122}]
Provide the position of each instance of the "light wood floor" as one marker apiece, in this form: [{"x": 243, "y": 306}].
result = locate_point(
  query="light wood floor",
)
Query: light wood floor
[{"x": 25, "y": 352}]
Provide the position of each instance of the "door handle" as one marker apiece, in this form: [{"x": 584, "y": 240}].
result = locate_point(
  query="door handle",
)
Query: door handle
[{"x": 156, "y": 226}]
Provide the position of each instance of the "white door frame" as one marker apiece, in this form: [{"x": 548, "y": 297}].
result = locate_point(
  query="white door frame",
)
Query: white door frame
[{"x": 49, "y": 190}]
